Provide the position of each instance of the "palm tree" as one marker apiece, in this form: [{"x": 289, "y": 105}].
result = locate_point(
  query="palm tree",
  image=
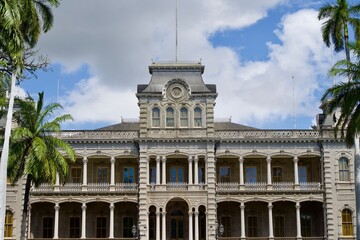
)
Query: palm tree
[
  {"x": 345, "y": 96},
  {"x": 20, "y": 23},
  {"x": 34, "y": 151},
  {"x": 335, "y": 29}
]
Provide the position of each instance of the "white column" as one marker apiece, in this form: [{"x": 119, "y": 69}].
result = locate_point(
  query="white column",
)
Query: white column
[
  {"x": 298, "y": 221},
  {"x": 242, "y": 219},
  {"x": 206, "y": 173},
  {"x": 190, "y": 182},
  {"x": 29, "y": 222},
  {"x": 57, "y": 182},
  {"x": 83, "y": 220},
  {"x": 268, "y": 160},
  {"x": 158, "y": 225},
  {"x": 196, "y": 170},
  {"x": 157, "y": 170},
  {"x": 196, "y": 225},
  {"x": 241, "y": 167},
  {"x": 111, "y": 233},
  {"x": 85, "y": 161},
  {"x": 56, "y": 222},
  {"x": 112, "y": 171},
  {"x": 296, "y": 171},
  {"x": 148, "y": 171},
  {"x": 163, "y": 175},
  {"x": 190, "y": 225},
  {"x": 163, "y": 225},
  {"x": 271, "y": 228}
]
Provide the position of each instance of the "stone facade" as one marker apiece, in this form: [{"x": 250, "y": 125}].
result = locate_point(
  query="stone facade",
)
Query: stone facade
[{"x": 179, "y": 174}]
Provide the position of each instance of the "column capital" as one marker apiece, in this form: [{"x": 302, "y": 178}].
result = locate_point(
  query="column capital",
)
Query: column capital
[
  {"x": 196, "y": 213},
  {"x": 196, "y": 159},
  {"x": 112, "y": 159},
  {"x": 268, "y": 159},
  {"x": 296, "y": 159},
  {"x": 270, "y": 205},
  {"x": 157, "y": 158},
  {"x": 190, "y": 213},
  {"x": 85, "y": 160},
  {"x": 242, "y": 205},
  {"x": 298, "y": 206},
  {"x": 190, "y": 158},
  {"x": 112, "y": 206},
  {"x": 241, "y": 159},
  {"x": 163, "y": 213},
  {"x": 163, "y": 158},
  {"x": 158, "y": 213},
  {"x": 83, "y": 206},
  {"x": 57, "y": 206}
]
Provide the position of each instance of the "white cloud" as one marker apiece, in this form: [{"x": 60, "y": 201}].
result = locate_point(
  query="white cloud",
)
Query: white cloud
[{"x": 117, "y": 40}]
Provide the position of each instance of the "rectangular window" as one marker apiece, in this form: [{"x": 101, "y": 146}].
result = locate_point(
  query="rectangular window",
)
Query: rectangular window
[
  {"x": 75, "y": 175},
  {"x": 102, "y": 175},
  {"x": 226, "y": 222},
  {"x": 74, "y": 227},
  {"x": 152, "y": 174},
  {"x": 8, "y": 224},
  {"x": 129, "y": 175},
  {"x": 128, "y": 222},
  {"x": 201, "y": 174},
  {"x": 170, "y": 117},
  {"x": 250, "y": 175},
  {"x": 48, "y": 227},
  {"x": 252, "y": 230},
  {"x": 347, "y": 223},
  {"x": 279, "y": 226},
  {"x": 101, "y": 229},
  {"x": 303, "y": 174},
  {"x": 306, "y": 225},
  {"x": 156, "y": 117},
  {"x": 277, "y": 174},
  {"x": 224, "y": 174},
  {"x": 184, "y": 122},
  {"x": 176, "y": 174}
]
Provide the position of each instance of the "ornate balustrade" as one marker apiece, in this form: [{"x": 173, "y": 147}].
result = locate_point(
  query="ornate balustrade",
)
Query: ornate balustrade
[
  {"x": 311, "y": 134},
  {"x": 262, "y": 186},
  {"x": 70, "y": 187},
  {"x": 177, "y": 186},
  {"x": 275, "y": 238},
  {"x": 68, "y": 135},
  {"x": 176, "y": 133},
  {"x": 83, "y": 238},
  {"x": 126, "y": 187},
  {"x": 90, "y": 187}
]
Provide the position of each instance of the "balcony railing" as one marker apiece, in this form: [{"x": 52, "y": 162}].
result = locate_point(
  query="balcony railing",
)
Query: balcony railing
[
  {"x": 262, "y": 186},
  {"x": 273, "y": 238},
  {"x": 83, "y": 238},
  {"x": 176, "y": 186},
  {"x": 90, "y": 187}
]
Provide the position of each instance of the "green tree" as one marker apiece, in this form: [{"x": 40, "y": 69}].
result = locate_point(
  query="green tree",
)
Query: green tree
[
  {"x": 335, "y": 29},
  {"x": 35, "y": 151},
  {"x": 345, "y": 96}
]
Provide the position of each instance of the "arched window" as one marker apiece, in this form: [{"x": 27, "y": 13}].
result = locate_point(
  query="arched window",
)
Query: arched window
[
  {"x": 184, "y": 121},
  {"x": 347, "y": 225},
  {"x": 156, "y": 117},
  {"x": 8, "y": 224},
  {"x": 170, "y": 117},
  {"x": 197, "y": 117},
  {"x": 344, "y": 169}
]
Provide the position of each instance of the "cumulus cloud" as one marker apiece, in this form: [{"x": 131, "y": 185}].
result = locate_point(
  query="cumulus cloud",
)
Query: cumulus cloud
[{"x": 118, "y": 39}]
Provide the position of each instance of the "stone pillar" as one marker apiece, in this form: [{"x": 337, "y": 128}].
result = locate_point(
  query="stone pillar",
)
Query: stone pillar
[
  {"x": 241, "y": 169},
  {"x": 163, "y": 225},
  {"x": 56, "y": 222},
  {"x": 158, "y": 225},
  {"x": 271, "y": 228},
  {"x": 269, "y": 181},
  {"x": 157, "y": 170},
  {"x": 57, "y": 183},
  {"x": 111, "y": 232},
  {"x": 196, "y": 170},
  {"x": 242, "y": 219},
  {"x": 148, "y": 171},
  {"x": 112, "y": 174},
  {"x": 296, "y": 173},
  {"x": 196, "y": 225},
  {"x": 190, "y": 182},
  {"x": 298, "y": 220},
  {"x": 190, "y": 225},
  {"x": 83, "y": 220},
  {"x": 84, "y": 184},
  {"x": 163, "y": 175}
]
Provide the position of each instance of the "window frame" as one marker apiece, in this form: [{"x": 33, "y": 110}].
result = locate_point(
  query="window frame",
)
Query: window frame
[
  {"x": 277, "y": 178},
  {"x": 75, "y": 230},
  {"x": 127, "y": 230},
  {"x": 47, "y": 231},
  {"x": 99, "y": 231},
  {"x": 347, "y": 225},
  {"x": 9, "y": 224},
  {"x": 100, "y": 180},
  {"x": 344, "y": 170},
  {"x": 279, "y": 230},
  {"x": 254, "y": 231},
  {"x": 198, "y": 118},
  {"x": 78, "y": 179},
  {"x": 183, "y": 118},
  {"x": 250, "y": 177},
  {"x": 170, "y": 118},
  {"x": 224, "y": 179},
  {"x": 133, "y": 174},
  {"x": 154, "y": 118}
]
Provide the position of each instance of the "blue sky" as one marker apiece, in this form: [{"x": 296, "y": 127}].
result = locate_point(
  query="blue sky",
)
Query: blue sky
[{"x": 250, "y": 49}]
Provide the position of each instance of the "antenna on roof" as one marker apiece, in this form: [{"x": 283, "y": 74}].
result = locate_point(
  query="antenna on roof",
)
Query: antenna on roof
[
  {"x": 176, "y": 32},
  {"x": 294, "y": 113}
]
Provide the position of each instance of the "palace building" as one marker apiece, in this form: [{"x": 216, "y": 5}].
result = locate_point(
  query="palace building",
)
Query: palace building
[{"x": 177, "y": 173}]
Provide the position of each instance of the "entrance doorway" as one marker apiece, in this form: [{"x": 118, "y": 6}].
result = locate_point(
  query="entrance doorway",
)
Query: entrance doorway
[{"x": 177, "y": 225}]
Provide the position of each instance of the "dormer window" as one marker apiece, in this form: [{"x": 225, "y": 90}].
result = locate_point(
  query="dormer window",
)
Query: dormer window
[
  {"x": 197, "y": 117},
  {"x": 156, "y": 117},
  {"x": 170, "y": 117},
  {"x": 184, "y": 120}
]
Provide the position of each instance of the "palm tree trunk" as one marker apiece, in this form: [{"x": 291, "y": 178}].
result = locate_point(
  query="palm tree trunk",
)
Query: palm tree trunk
[
  {"x": 5, "y": 152},
  {"x": 346, "y": 40},
  {"x": 25, "y": 213}
]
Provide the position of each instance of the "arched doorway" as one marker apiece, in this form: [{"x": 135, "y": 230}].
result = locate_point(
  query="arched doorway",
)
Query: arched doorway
[
  {"x": 177, "y": 224},
  {"x": 177, "y": 220}
]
